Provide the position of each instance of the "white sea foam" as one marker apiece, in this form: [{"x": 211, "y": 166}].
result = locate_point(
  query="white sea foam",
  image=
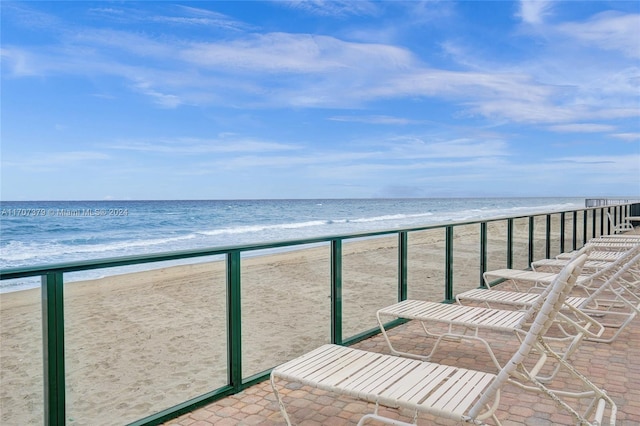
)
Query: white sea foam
[
  {"x": 261, "y": 228},
  {"x": 390, "y": 217},
  {"x": 165, "y": 226},
  {"x": 20, "y": 252}
]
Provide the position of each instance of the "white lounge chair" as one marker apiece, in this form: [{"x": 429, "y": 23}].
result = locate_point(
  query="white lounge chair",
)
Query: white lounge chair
[
  {"x": 612, "y": 300},
  {"x": 606, "y": 248},
  {"x": 555, "y": 265},
  {"x": 596, "y": 259},
  {"x": 590, "y": 266},
  {"x": 615, "y": 241},
  {"x": 624, "y": 226},
  {"x": 597, "y": 255},
  {"x": 589, "y": 282},
  {"x": 455, "y": 322},
  {"x": 602, "y": 249},
  {"x": 445, "y": 391},
  {"x": 629, "y": 237}
]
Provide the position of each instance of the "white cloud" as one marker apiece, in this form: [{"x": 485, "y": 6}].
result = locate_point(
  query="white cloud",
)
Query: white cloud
[
  {"x": 185, "y": 16},
  {"x": 569, "y": 80},
  {"x": 534, "y": 11},
  {"x": 375, "y": 119},
  {"x": 627, "y": 137},
  {"x": 19, "y": 62},
  {"x": 197, "y": 146},
  {"x": 599, "y": 166},
  {"x": 297, "y": 53},
  {"x": 202, "y": 17},
  {"x": 304, "y": 70},
  {"x": 582, "y": 128},
  {"x": 48, "y": 161},
  {"x": 334, "y": 8},
  {"x": 608, "y": 31},
  {"x": 399, "y": 155},
  {"x": 163, "y": 99},
  {"x": 413, "y": 148},
  {"x": 32, "y": 18},
  {"x": 321, "y": 71}
]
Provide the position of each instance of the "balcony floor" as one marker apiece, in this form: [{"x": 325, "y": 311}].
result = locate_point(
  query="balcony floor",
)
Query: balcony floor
[{"x": 614, "y": 367}]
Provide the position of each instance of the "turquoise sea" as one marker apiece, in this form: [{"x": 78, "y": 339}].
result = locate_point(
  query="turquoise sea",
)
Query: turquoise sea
[{"x": 44, "y": 232}]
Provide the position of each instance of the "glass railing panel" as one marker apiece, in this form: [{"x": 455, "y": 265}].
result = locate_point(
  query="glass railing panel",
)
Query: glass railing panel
[
  {"x": 568, "y": 230},
  {"x": 601, "y": 223},
  {"x": 496, "y": 245},
  {"x": 520, "y": 243},
  {"x": 466, "y": 257},
  {"x": 539, "y": 237},
  {"x": 369, "y": 281},
  {"x": 426, "y": 265},
  {"x": 286, "y": 305},
  {"x": 591, "y": 219},
  {"x": 137, "y": 343},
  {"x": 591, "y": 228},
  {"x": 554, "y": 243},
  {"x": 580, "y": 229},
  {"x": 21, "y": 365}
]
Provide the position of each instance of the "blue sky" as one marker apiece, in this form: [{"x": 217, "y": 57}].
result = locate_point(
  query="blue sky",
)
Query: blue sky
[{"x": 315, "y": 99}]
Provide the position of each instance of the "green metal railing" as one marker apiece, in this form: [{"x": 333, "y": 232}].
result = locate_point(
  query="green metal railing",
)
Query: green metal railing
[{"x": 585, "y": 224}]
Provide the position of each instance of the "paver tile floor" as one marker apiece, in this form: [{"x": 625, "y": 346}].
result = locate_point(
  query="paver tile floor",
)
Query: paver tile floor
[{"x": 614, "y": 367}]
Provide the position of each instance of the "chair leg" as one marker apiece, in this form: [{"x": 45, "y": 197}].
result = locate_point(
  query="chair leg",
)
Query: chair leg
[
  {"x": 384, "y": 420},
  {"x": 599, "y": 398},
  {"x": 283, "y": 410},
  {"x": 393, "y": 350}
]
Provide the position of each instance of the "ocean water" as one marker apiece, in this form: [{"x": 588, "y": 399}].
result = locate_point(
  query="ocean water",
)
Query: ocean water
[{"x": 45, "y": 232}]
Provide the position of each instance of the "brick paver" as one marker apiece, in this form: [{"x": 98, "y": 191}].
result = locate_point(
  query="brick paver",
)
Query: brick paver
[{"x": 615, "y": 367}]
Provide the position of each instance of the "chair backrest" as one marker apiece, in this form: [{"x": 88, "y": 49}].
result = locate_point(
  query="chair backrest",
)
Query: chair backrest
[
  {"x": 624, "y": 224},
  {"x": 629, "y": 264},
  {"x": 616, "y": 264},
  {"x": 535, "y": 307},
  {"x": 602, "y": 273},
  {"x": 558, "y": 292},
  {"x": 586, "y": 249}
]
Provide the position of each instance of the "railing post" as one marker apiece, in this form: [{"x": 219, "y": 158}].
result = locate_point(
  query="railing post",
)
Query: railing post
[
  {"x": 336, "y": 291},
  {"x": 562, "y": 229},
  {"x": 448, "y": 261},
  {"x": 547, "y": 236},
  {"x": 531, "y": 235},
  {"x": 483, "y": 250},
  {"x": 53, "y": 349},
  {"x": 234, "y": 320},
  {"x": 593, "y": 223},
  {"x": 574, "y": 237},
  {"x": 509, "y": 243},
  {"x": 584, "y": 230},
  {"x": 403, "y": 248}
]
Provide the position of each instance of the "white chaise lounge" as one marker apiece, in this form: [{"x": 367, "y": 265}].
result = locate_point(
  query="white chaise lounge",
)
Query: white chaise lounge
[{"x": 450, "y": 392}]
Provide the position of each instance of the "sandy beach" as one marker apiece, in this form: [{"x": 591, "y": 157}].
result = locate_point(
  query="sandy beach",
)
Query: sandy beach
[{"x": 141, "y": 342}]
